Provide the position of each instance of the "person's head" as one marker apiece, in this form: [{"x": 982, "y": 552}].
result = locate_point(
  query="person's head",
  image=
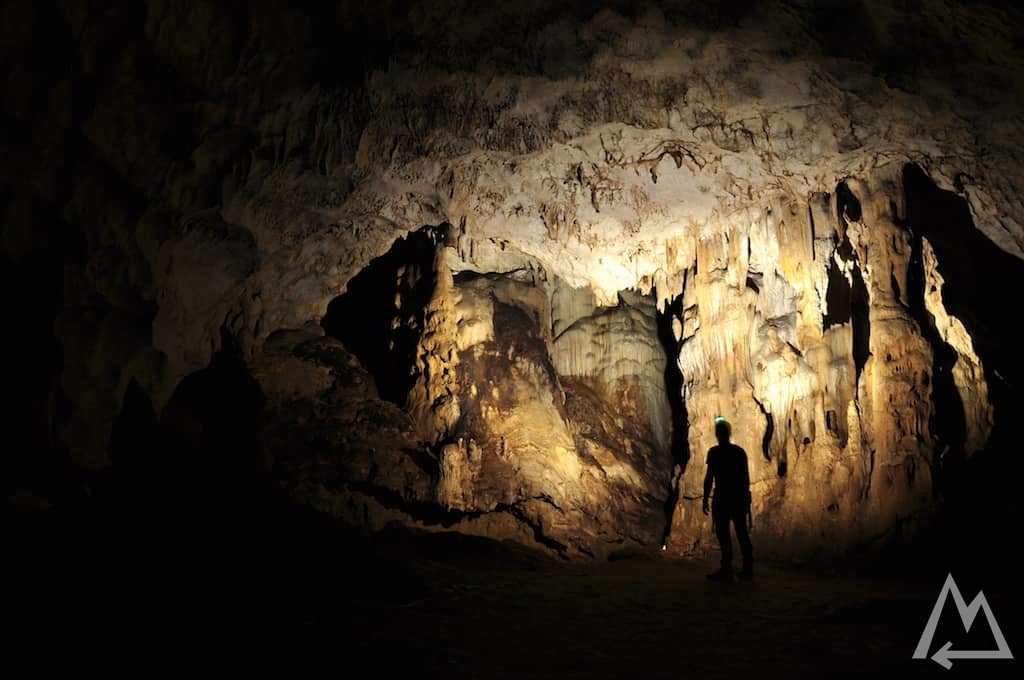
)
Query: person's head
[{"x": 722, "y": 430}]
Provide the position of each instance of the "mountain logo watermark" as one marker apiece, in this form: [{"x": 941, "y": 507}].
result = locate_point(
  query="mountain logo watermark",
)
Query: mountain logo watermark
[{"x": 967, "y": 615}]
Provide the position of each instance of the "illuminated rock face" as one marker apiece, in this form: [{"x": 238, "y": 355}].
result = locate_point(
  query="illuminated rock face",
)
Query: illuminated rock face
[
  {"x": 535, "y": 413},
  {"x": 529, "y": 412},
  {"x": 502, "y": 279},
  {"x": 811, "y": 331}
]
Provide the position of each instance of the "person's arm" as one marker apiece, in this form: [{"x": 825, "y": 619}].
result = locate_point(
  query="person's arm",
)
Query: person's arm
[{"x": 709, "y": 478}]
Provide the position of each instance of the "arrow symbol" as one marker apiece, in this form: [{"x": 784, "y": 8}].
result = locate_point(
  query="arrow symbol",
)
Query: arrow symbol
[{"x": 944, "y": 655}]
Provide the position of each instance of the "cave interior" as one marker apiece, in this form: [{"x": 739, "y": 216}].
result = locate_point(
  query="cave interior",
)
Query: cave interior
[{"x": 400, "y": 330}]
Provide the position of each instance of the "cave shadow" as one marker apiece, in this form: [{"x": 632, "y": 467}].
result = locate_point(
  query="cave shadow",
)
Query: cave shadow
[
  {"x": 192, "y": 475},
  {"x": 849, "y": 301},
  {"x": 977, "y": 494},
  {"x": 976, "y": 273},
  {"x": 674, "y": 383},
  {"x": 186, "y": 521},
  {"x": 210, "y": 431},
  {"x": 680, "y": 442},
  {"x": 380, "y": 316}
]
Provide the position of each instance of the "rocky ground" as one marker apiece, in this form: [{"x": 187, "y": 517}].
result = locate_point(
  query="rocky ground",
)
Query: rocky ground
[{"x": 242, "y": 587}]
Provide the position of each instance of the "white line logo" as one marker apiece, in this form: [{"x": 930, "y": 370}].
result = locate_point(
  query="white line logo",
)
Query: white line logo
[{"x": 967, "y": 614}]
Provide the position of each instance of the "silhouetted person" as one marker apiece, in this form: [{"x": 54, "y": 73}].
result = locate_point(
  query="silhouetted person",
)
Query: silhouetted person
[{"x": 728, "y": 477}]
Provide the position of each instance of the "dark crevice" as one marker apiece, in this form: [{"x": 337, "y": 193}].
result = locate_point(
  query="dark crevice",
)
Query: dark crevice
[
  {"x": 837, "y": 297},
  {"x": 870, "y": 475},
  {"x": 814, "y": 232},
  {"x": 549, "y": 500},
  {"x": 380, "y": 316},
  {"x": 861, "y": 321},
  {"x": 432, "y": 514},
  {"x": 769, "y": 432},
  {"x": 847, "y": 204},
  {"x": 848, "y": 209},
  {"x": 674, "y": 381},
  {"x": 680, "y": 442},
  {"x": 538, "y": 534},
  {"x": 783, "y": 456},
  {"x": 425, "y": 512}
]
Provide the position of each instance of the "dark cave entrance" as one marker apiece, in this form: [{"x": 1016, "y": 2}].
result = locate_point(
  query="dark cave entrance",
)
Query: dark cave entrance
[{"x": 379, "y": 317}]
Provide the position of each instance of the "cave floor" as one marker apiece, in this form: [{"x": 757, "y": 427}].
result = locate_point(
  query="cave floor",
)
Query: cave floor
[
  {"x": 445, "y": 605},
  {"x": 651, "y": 617}
]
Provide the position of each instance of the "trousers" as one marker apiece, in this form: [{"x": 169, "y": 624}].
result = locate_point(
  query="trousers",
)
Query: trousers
[{"x": 733, "y": 515}]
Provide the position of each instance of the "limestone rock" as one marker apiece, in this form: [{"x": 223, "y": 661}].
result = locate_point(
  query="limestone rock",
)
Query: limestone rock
[{"x": 509, "y": 225}]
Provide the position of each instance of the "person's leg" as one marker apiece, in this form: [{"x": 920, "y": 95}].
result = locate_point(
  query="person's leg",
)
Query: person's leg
[
  {"x": 722, "y": 532},
  {"x": 746, "y": 547}
]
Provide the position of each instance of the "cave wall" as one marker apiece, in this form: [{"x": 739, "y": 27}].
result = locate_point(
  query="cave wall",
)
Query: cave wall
[
  {"x": 836, "y": 406},
  {"x": 509, "y": 424},
  {"x": 185, "y": 174}
]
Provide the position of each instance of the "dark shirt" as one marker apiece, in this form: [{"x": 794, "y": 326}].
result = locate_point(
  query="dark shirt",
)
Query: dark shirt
[{"x": 728, "y": 474}]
